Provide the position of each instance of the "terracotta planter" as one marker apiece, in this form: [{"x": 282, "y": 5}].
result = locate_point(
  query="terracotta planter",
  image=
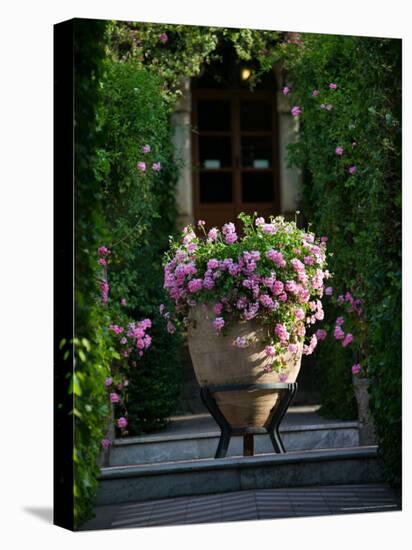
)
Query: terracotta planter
[
  {"x": 366, "y": 425},
  {"x": 216, "y": 361}
]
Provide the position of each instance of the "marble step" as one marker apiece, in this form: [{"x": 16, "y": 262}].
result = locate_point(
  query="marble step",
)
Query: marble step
[
  {"x": 192, "y": 445},
  {"x": 144, "y": 482}
]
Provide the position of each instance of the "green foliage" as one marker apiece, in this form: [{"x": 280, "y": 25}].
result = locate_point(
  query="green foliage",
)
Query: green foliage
[
  {"x": 155, "y": 383},
  {"x": 140, "y": 214},
  {"x": 91, "y": 411},
  {"x": 361, "y": 213},
  {"x": 188, "y": 48},
  {"x": 92, "y": 351}
]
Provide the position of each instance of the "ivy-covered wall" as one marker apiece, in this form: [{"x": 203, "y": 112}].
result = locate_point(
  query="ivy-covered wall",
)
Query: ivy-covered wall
[{"x": 348, "y": 93}]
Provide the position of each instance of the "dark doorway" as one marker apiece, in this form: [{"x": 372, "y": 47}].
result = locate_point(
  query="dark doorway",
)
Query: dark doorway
[{"x": 235, "y": 145}]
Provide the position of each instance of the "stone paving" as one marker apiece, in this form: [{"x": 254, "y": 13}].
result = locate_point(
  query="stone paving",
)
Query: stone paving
[{"x": 248, "y": 505}]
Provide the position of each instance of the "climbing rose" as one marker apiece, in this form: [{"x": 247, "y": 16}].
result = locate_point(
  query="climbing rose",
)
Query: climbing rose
[
  {"x": 339, "y": 150},
  {"x": 321, "y": 334},
  {"x": 170, "y": 327},
  {"x": 114, "y": 398},
  {"x": 332, "y": 86},
  {"x": 315, "y": 93},
  {"x": 352, "y": 170},
  {"x": 347, "y": 340},
  {"x": 285, "y": 90},
  {"x": 122, "y": 422},
  {"x": 141, "y": 166},
  {"x": 338, "y": 333},
  {"x": 105, "y": 443},
  {"x": 108, "y": 381},
  {"x": 163, "y": 38},
  {"x": 329, "y": 291},
  {"x": 356, "y": 368},
  {"x": 123, "y": 302},
  {"x": 156, "y": 167},
  {"x": 146, "y": 149},
  {"x": 102, "y": 261},
  {"x": 296, "y": 111}
]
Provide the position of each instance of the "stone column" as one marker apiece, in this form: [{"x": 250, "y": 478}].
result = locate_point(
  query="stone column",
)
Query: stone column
[
  {"x": 290, "y": 178},
  {"x": 181, "y": 124}
]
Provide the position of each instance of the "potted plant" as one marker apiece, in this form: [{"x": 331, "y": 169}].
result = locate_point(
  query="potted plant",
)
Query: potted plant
[{"x": 247, "y": 302}]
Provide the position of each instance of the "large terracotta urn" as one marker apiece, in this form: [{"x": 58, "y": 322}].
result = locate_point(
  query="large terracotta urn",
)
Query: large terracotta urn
[{"x": 217, "y": 361}]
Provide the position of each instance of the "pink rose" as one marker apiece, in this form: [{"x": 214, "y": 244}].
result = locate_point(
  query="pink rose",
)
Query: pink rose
[
  {"x": 108, "y": 381},
  {"x": 296, "y": 111},
  {"x": 332, "y": 86},
  {"x": 356, "y": 368},
  {"x": 285, "y": 90},
  {"x": 105, "y": 443},
  {"x": 352, "y": 170},
  {"x": 146, "y": 149},
  {"x": 122, "y": 422},
  {"x": 141, "y": 166},
  {"x": 347, "y": 340},
  {"x": 163, "y": 38},
  {"x": 339, "y": 150},
  {"x": 114, "y": 398}
]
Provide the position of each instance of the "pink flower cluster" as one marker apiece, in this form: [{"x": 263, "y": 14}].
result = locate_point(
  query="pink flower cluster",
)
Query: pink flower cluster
[
  {"x": 229, "y": 232},
  {"x": 274, "y": 273},
  {"x": 142, "y": 166}
]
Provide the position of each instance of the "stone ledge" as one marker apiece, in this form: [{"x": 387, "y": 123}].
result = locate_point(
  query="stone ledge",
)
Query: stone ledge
[
  {"x": 160, "y": 438},
  {"x": 208, "y": 476},
  {"x": 116, "y": 472}
]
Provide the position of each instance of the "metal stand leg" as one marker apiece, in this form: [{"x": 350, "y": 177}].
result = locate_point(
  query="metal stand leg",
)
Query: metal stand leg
[
  {"x": 274, "y": 422},
  {"x": 287, "y": 393},
  {"x": 224, "y": 426}
]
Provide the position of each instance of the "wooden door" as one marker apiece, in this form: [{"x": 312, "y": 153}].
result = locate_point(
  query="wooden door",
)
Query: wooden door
[{"x": 235, "y": 155}]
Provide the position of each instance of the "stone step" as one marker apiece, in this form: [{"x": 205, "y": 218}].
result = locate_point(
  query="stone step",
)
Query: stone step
[
  {"x": 143, "y": 482},
  {"x": 170, "y": 447}
]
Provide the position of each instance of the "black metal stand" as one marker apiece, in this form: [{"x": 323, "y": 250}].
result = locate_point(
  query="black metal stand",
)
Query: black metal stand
[{"x": 287, "y": 393}]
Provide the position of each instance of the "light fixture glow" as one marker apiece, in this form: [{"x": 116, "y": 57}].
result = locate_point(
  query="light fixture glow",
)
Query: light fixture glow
[{"x": 245, "y": 73}]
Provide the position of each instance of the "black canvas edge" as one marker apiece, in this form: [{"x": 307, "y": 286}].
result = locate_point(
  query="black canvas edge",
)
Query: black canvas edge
[{"x": 63, "y": 173}]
